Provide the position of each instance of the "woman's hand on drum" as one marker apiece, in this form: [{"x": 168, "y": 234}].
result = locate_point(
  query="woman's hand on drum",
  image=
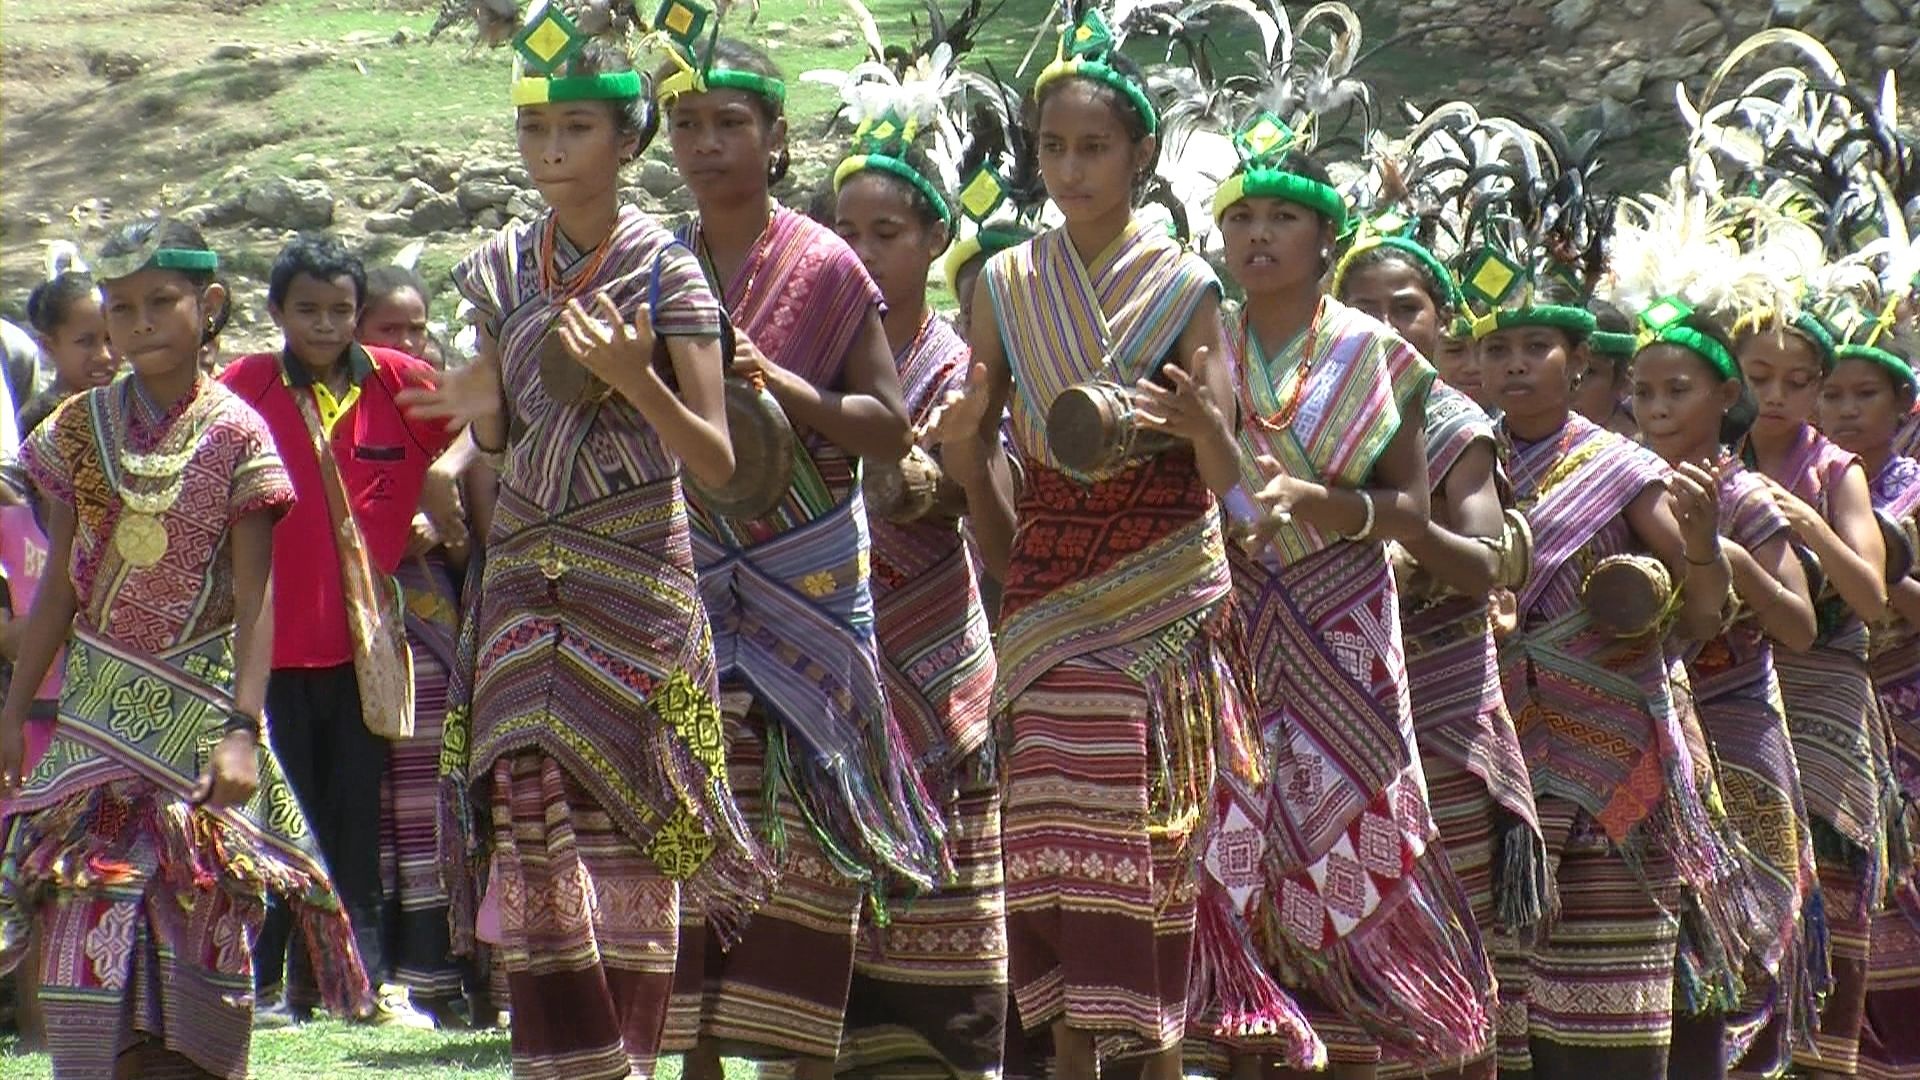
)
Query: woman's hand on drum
[
  {"x": 1695, "y": 494},
  {"x": 751, "y": 364},
  {"x": 608, "y": 345},
  {"x": 1187, "y": 411}
]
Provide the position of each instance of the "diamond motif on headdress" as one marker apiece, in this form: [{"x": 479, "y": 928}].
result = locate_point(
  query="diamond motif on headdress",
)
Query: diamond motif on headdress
[
  {"x": 1091, "y": 37},
  {"x": 682, "y": 20},
  {"x": 982, "y": 193},
  {"x": 1491, "y": 277},
  {"x": 548, "y": 41},
  {"x": 1263, "y": 136},
  {"x": 1665, "y": 312}
]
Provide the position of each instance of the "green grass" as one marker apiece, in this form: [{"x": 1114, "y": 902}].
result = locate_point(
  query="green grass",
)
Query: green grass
[{"x": 333, "y": 1049}]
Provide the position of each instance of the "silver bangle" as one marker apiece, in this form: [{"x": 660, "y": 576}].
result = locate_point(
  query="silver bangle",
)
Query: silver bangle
[{"x": 1366, "y": 524}]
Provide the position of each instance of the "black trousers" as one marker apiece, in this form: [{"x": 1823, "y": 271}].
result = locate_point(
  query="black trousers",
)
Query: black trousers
[{"x": 335, "y": 766}]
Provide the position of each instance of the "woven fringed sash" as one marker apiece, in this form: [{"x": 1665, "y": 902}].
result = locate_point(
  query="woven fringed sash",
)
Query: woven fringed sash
[
  {"x": 1353, "y": 899},
  {"x": 159, "y": 718}
]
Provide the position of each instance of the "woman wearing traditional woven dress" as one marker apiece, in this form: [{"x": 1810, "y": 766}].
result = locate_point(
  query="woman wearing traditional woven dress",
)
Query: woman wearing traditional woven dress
[
  {"x": 1476, "y": 775},
  {"x": 1862, "y": 403},
  {"x": 585, "y": 784},
  {"x": 1119, "y": 652},
  {"x": 144, "y": 842},
  {"x": 1682, "y": 390},
  {"x": 929, "y": 992},
  {"x": 1838, "y": 734},
  {"x": 1357, "y": 905},
  {"x": 816, "y": 756},
  {"x": 1613, "y": 778}
]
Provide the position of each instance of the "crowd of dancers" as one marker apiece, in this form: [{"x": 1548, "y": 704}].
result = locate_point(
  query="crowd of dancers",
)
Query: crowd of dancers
[{"x": 1344, "y": 596}]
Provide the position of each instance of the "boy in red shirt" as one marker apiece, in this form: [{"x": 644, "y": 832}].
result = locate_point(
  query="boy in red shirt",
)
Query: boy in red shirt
[{"x": 313, "y": 698}]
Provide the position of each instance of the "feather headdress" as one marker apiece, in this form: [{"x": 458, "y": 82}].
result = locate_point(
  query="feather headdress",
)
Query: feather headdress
[
  {"x": 915, "y": 96},
  {"x": 1229, "y": 120}
]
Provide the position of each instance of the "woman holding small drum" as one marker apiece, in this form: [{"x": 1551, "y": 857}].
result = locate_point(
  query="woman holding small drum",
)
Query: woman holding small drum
[
  {"x": 1331, "y": 407},
  {"x": 816, "y": 758}
]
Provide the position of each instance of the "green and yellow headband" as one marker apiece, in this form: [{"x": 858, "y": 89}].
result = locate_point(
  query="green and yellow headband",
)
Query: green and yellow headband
[
  {"x": 1609, "y": 343},
  {"x": 1261, "y": 143},
  {"x": 1491, "y": 279},
  {"x": 1082, "y": 52},
  {"x": 692, "y": 31},
  {"x": 1806, "y": 323},
  {"x": 150, "y": 256},
  {"x": 871, "y": 141},
  {"x": 1665, "y": 323},
  {"x": 985, "y": 242},
  {"x": 546, "y": 45},
  {"x": 1900, "y": 370},
  {"x": 1407, "y": 246}
]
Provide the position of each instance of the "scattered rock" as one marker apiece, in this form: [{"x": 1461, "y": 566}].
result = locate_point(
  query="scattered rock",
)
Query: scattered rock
[
  {"x": 380, "y": 222},
  {"x": 525, "y": 205},
  {"x": 659, "y": 178},
  {"x": 367, "y": 200},
  {"x": 286, "y": 203},
  {"x": 477, "y": 195},
  {"x": 435, "y": 171},
  {"x": 115, "y": 67},
  {"x": 441, "y": 213},
  {"x": 836, "y": 39},
  {"x": 1792, "y": 12},
  {"x": 361, "y": 39},
  {"x": 489, "y": 219},
  {"x": 235, "y": 50},
  {"x": 517, "y": 176},
  {"x": 401, "y": 37},
  {"x": 314, "y": 170},
  {"x": 215, "y": 215},
  {"x": 1572, "y": 16},
  {"x": 1698, "y": 36},
  {"x": 484, "y": 169},
  {"x": 413, "y": 193},
  {"x": 1624, "y": 81},
  {"x": 1896, "y": 34},
  {"x": 1883, "y": 11},
  {"x": 1886, "y": 56}
]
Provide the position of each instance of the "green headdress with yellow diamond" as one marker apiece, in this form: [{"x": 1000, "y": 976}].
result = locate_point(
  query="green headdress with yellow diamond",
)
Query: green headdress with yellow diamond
[
  {"x": 1000, "y": 195},
  {"x": 1086, "y": 50},
  {"x": 1397, "y": 233},
  {"x": 1263, "y": 143},
  {"x": 547, "y": 51},
  {"x": 690, "y": 30}
]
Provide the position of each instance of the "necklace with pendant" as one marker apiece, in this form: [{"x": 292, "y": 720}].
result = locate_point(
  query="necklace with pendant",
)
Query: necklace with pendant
[{"x": 140, "y": 536}]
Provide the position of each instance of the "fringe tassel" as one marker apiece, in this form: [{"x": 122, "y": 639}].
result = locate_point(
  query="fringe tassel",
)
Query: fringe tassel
[
  {"x": 337, "y": 969},
  {"x": 1226, "y": 976},
  {"x": 1819, "y": 948},
  {"x": 1406, "y": 975},
  {"x": 1704, "y": 978},
  {"x": 462, "y": 861},
  {"x": 1526, "y": 898}
]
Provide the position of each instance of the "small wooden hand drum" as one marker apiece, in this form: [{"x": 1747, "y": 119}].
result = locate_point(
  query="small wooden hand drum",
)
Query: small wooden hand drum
[{"x": 763, "y": 448}]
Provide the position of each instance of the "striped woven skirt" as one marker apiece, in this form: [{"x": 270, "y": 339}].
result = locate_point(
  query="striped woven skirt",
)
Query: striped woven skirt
[
  {"x": 1890, "y": 1033},
  {"x": 148, "y": 955},
  {"x": 418, "y": 945},
  {"x": 1100, "y": 907},
  {"x": 929, "y": 994},
  {"x": 1599, "y": 986},
  {"x": 1478, "y": 788},
  {"x": 781, "y": 990},
  {"x": 1839, "y": 741},
  {"x": 588, "y": 928}
]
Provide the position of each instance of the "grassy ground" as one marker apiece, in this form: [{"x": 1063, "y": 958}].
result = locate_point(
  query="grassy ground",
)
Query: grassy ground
[{"x": 333, "y": 1049}]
